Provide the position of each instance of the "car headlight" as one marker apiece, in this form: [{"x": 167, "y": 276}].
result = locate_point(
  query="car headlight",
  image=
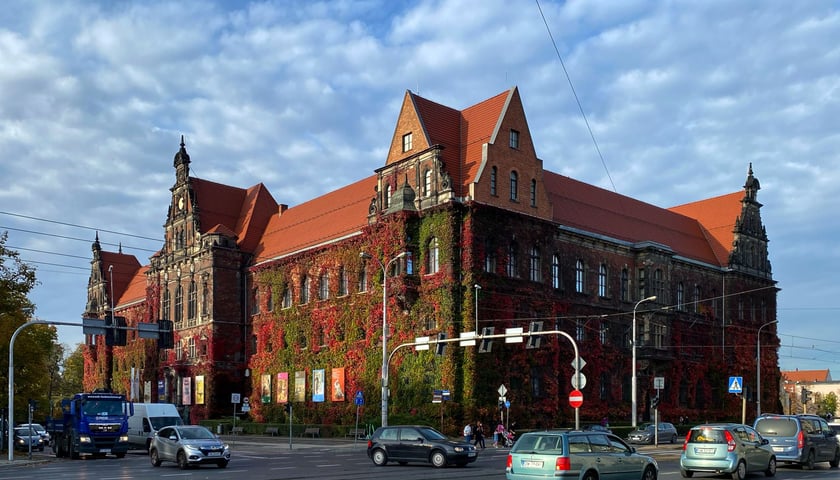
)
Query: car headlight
[
  {"x": 124, "y": 438},
  {"x": 459, "y": 449},
  {"x": 191, "y": 448},
  {"x": 20, "y": 441},
  {"x": 84, "y": 439}
]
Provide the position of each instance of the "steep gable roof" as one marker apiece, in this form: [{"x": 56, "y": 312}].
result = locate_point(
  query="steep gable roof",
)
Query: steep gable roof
[
  {"x": 136, "y": 290},
  {"x": 717, "y": 217},
  {"x": 322, "y": 220},
  {"x": 243, "y": 212},
  {"x": 125, "y": 268}
]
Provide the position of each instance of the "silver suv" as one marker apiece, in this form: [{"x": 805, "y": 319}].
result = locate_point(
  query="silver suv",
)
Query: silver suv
[{"x": 799, "y": 439}]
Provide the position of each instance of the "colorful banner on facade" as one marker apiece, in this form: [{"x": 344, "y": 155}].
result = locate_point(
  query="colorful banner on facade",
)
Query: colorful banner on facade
[
  {"x": 318, "y": 378},
  {"x": 147, "y": 391},
  {"x": 199, "y": 389},
  {"x": 337, "y": 393},
  {"x": 265, "y": 382},
  {"x": 300, "y": 386},
  {"x": 282, "y": 391},
  {"x": 186, "y": 391}
]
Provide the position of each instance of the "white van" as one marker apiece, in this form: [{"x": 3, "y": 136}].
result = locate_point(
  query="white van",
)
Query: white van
[{"x": 148, "y": 418}]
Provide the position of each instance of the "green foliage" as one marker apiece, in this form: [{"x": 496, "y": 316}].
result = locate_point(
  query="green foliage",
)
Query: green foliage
[{"x": 828, "y": 404}]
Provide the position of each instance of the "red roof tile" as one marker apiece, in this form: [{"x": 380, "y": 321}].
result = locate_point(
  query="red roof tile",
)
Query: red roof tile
[
  {"x": 807, "y": 376},
  {"x": 244, "y": 212},
  {"x": 717, "y": 216}
]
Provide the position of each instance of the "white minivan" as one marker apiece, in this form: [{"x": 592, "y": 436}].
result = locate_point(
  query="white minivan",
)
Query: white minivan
[{"x": 148, "y": 418}]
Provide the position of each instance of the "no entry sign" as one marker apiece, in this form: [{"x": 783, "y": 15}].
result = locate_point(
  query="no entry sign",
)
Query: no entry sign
[{"x": 575, "y": 399}]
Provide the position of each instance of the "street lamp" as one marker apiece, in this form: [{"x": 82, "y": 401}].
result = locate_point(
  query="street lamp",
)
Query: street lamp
[
  {"x": 758, "y": 368},
  {"x": 633, "y": 384},
  {"x": 384, "y": 329}
]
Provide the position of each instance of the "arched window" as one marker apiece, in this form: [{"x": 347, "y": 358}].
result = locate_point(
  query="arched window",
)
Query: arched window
[
  {"x": 535, "y": 265},
  {"x": 432, "y": 259},
  {"x": 387, "y": 195},
  {"x": 493, "y": 173},
  {"x": 287, "y": 296},
  {"x": 427, "y": 183},
  {"x": 512, "y": 264},
  {"x": 304, "y": 289},
  {"x": 342, "y": 282},
  {"x": 625, "y": 285},
  {"x": 192, "y": 298},
  {"x": 514, "y": 186},
  {"x": 269, "y": 300},
  {"x": 489, "y": 257},
  {"x": 324, "y": 286},
  {"x": 166, "y": 308},
  {"x": 179, "y": 304},
  {"x": 602, "y": 280},
  {"x": 205, "y": 298},
  {"x": 579, "y": 276},
  {"x": 555, "y": 271},
  {"x": 362, "y": 285}
]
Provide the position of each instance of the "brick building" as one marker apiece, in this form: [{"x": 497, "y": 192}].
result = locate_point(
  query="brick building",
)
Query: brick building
[{"x": 469, "y": 231}]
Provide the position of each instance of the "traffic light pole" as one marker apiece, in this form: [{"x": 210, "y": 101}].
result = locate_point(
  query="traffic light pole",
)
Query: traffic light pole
[
  {"x": 12, "y": 376},
  {"x": 444, "y": 341}
]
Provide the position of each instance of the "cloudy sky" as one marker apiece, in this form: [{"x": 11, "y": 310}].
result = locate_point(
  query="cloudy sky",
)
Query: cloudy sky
[{"x": 681, "y": 97}]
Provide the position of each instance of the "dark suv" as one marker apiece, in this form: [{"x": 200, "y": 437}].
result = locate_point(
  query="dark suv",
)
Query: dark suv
[
  {"x": 800, "y": 439},
  {"x": 418, "y": 443}
]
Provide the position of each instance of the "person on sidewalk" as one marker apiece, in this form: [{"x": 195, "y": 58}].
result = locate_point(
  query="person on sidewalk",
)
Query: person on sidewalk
[
  {"x": 479, "y": 435},
  {"x": 468, "y": 433},
  {"x": 498, "y": 435}
]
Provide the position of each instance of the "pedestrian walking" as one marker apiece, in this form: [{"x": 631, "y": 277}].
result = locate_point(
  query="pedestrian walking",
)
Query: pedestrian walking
[
  {"x": 468, "y": 431},
  {"x": 498, "y": 435},
  {"x": 479, "y": 435}
]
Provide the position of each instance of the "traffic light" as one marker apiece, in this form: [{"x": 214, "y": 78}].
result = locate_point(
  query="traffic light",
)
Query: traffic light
[
  {"x": 440, "y": 346},
  {"x": 166, "y": 339},
  {"x": 654, "y": 402},
  {"x": 115, "y": 331},
  {"x": 288, "y": 408},
  {"x": 534, "y": 341},
  {"x": 486, "y": 344},
  {"x": 806, "y": 396}
]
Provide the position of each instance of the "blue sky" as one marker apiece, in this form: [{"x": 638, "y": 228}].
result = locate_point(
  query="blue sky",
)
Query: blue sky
[{"x": 303, "y": 96}]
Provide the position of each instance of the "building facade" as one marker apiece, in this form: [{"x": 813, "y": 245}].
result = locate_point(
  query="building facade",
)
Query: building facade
[{"x": 466, "y": 231}]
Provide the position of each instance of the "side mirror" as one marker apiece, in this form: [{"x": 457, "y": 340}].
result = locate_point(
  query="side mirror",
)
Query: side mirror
[
  {"x": 173, "y": 438},
  {"x": 764, "y": 441},
  {"x": 420, "y": 439}
]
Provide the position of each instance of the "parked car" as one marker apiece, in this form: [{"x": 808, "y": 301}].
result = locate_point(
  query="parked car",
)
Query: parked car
[
  {"x": 188, "y": 445},
  {"x": 729, "y": 448},
  {"x": 418, "y": 443},
  {"x": 800, "y": 439},
  {"x": 645, "y": 433},
  {"x": 37, "y": 427},
  {"x": 24, "y": 437},
  {"x": 835, "y": 427},
  {"x": 597, "y": 428},
  {"x": 577, "y": 454}
]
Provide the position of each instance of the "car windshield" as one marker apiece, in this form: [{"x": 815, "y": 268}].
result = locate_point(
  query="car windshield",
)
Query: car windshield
[
  {"x": 35, "y": 427},
  {"x": 196, "y": 434},
  {"x": 24, "y": 431},
  {"x": 160, "y": 422},
  {"x": 776, "y": 427},
  {"x": 103, "y": 407},
  {"x": 539, "y": 444},
  {"x": 432, "y": 434}
]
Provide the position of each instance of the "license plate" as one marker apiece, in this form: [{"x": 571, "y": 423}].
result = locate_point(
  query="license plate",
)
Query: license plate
[
  {"x": 704, "y": 450},
  {"x": 532, "y": 463},
  {"x": 105, "y": 450},
  {"x": 471, "y": 454},
  {"x": 778, "y": 449},
  {"x": 214, "y": 454}
]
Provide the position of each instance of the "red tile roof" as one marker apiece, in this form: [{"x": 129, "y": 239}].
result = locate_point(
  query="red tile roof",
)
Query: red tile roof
[
  {"x": 124, "y": 271},
  {"x": 807, "y": 376},
  {"x": 717, "y": 217},
  {"x": 338, "y": 214},
  {"x": 243, "y": 212}
]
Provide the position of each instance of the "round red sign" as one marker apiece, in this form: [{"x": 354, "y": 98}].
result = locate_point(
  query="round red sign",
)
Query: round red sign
[{"x": 576, "y": 399}]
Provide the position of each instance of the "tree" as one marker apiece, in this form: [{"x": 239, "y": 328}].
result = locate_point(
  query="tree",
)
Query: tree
[
  {"x": 34, "y": 345},
  {"x": 73, "y": 372},
  {"x": 827, "y": 405}
]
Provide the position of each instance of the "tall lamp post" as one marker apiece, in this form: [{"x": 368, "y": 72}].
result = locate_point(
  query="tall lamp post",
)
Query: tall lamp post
[
  {"x": 633, "y": 381},
  {"x": 384, "y": 329},
  {"x": 758, "y": 368}
]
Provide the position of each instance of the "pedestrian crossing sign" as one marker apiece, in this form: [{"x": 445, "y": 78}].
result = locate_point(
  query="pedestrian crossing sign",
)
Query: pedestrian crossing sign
[{"x": 736, "y": 384}]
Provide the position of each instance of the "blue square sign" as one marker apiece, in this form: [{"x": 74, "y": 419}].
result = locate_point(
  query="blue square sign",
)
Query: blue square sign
[{"x": 736, "y": 384}]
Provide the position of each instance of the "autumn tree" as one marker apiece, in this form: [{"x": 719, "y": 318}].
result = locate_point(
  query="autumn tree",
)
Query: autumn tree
[{"x": 34, "y": 346}]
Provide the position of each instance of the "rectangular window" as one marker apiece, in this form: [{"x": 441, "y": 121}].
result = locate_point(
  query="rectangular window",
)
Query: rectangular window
[
  {"x": 602, "y": 281},
  {"x": 406, "y": 139},
  {"x": 514, "y": 139},
  {"x": 324, "y": 286},
  {"x": 362, "y": 286},
  {"x": 342, "y": 282},
  {"x": 555, "y": 271},
  {"x": 579, "y": 276}
]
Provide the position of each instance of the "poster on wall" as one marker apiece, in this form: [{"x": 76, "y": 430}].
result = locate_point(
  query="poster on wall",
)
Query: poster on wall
[
  {"x": 282, "y": 387},
  {"x": 300, "y": 386},
  {"x": 318, "y": 377},
  {"x": 186, "y": 391},
  {"x": 147, "y": 391},
  {"x": 337, "y": 382},
  {"x": 265, "y": 388},
  {"x": 199, "y": 389}
]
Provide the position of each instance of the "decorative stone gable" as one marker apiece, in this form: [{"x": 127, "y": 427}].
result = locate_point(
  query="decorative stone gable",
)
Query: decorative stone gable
[{"x": 749, "y": 247}]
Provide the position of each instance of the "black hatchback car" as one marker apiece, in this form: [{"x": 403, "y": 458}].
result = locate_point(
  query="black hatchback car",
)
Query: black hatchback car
[{"x": 418, "y": 443}]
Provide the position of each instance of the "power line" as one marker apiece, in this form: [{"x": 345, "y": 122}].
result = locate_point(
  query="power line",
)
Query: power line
[{"x": 78, "y": 226}]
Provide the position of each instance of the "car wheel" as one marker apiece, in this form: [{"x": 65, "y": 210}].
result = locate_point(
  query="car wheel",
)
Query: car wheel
[
  {"x": 740, "y": 471},
  {"x": 650, "y": 473},
  {"x": 154, "y": 457},
  {"x": 438, "y": 459},
  {"x": 222, "y": 464},
  {"x": 835, "y": 462},
  {"x": 673, "y": 438},
  {"x": 771, "y": 468},
  {"x": 590, "y": 476},
  {"x": 379, "y": 457},
  {"x": 809, "y": 462},
  {"x": 686, "y": 473},
  {"x": 182, "y": 460}
]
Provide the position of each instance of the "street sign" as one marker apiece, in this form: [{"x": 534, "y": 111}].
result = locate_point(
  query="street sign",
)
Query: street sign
[
  {"x": 93, "y": 326},
  {"x": 575, "y": 399},
  {"x": 359, "y": 399},
  {"x": 507, "y": 403},
  {"x": 437, "y": 396},
  {"x": 575, "y": 380},
  {"x": 422, "y": 343},
  {"x": 578, "y": 363},
  {"x": 246, "y": 400},
  {"x": 659, "y": 383},
  {"x": 234, "y": 398},
  {"x": 736, "y": 384},
  {"x": 467, "y": 339},
  {"x": 514, "y": 331},
  {"x": 148, "y": 330},
  {"x": 502, "y": 390}
]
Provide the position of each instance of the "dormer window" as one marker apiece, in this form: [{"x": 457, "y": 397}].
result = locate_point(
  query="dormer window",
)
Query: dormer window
[
  {"x": 514, "y": 139},
  {"x": 406, "y": 142}
]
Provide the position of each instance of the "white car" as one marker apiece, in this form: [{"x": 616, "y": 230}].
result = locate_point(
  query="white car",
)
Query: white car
[{"x": 188, "y": 445}]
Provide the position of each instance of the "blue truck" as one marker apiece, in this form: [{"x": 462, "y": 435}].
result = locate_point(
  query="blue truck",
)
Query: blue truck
[{"x": 91, "y": 424}]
